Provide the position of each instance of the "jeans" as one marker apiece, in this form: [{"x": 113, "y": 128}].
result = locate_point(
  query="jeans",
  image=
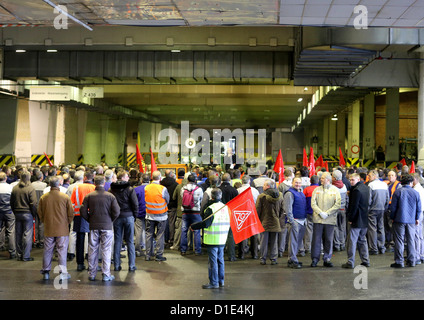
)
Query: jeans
[
  {"x": 357, "y": 240},
  {"x": 216, "y": 266},
  {"x": 124, "y": 229},
  {"x": 24, "y": 234},
  {"x": 140, "y": 234},
  {"x": 188, "y": 220}
]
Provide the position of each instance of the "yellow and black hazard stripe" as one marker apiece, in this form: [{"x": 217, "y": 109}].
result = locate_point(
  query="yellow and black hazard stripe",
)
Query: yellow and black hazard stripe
[
  {"x": 368, "y": 163},
  {"x": 7, "y": 160},
  {"x": 41, "y": 160},
  {"x": 352, "y": 162},
  {"x": 80, "y": 159},
  {"x": 390, "y": 165},
  {"x": 131, "y": 159}
]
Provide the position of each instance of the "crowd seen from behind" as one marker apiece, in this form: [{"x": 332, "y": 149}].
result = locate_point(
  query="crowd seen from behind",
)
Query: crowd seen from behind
[{"x": 93, "y": 214}]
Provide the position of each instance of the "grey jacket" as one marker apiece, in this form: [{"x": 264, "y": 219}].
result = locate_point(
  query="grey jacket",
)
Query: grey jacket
[{"x": 379, "y": 195}]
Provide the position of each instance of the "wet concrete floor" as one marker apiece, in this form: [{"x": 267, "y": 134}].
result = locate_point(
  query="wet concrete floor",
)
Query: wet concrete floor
[{"x": 181, "y": 278}]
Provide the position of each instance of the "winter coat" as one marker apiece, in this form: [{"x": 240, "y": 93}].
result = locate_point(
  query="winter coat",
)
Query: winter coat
[
  {"x": 23, "y": 199},
  {"x": 100, "y": 209},
  {"x": 406, "y": 205},
  {"x": 197, "y": 197},
  {"x": 56, "y": 212},
  {"x": 325, "y": 199},
  {"x": 357, "y": 212},
  {"x": 269, "y": 207},
  {"x": 126, "y": 197}
]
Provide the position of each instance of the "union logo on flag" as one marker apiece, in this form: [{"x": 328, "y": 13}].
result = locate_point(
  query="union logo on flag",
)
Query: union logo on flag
[{"x": 244, "y": 220}]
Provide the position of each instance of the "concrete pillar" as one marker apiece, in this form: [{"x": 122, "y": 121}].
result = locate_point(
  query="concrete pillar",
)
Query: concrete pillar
[
  {"x": 325, "y": 140},
  {"x": 341, "y": 132},
  {"x": 320, "y": 135},
  {"x": 353, "y": 130},
  {"x": 392, "y": 124},
  {"x": 23, "y": 130},
  {"x": 421, "y": 114},
  {"x": 369, "y": 128},
  {"x": 332, "y": 137},
  {"x": 8, "y": 109}
]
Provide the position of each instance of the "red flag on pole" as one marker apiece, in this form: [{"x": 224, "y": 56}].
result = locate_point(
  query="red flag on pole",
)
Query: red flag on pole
[
  {"x": 279, "y": 167},
  {"x": 305, "y": 158},
  {"x": 139, "y": 159},
  {"x": 319, "y": 162},
  {"x": 403, "y": 162},
  {"x": 311, "y": 163},
  {"x": 153, "y": 163},
  {"x": 326, "y": 166},
  {"x": 342, "y": 161},
  {"x": 412, "y": 170},
  {"x": 244, "y": 220},
  {"x": 48, "y": 160}
]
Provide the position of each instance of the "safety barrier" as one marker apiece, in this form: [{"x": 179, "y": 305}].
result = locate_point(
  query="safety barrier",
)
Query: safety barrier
[{"x": 7, "y": 159}]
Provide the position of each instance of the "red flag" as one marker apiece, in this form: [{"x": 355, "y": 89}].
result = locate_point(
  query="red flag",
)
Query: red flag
[
  {"x": 311, "y": 163},
  {"x": 47, "y": 157},
  {"x": 342, "y": 161},
  {"x": 326, "y": 166},
  {"x": 412, "y": 170},
  {"x": 305, "y": 158},
  {"x": 319, "y": 162},
  {"x": 403, "y": 162},
  {"x": 279, "y": 167},
  {"x": 153, "y": 163},
  {"x": 139, "y": 159},
  {"x": 244, "y": 220}
]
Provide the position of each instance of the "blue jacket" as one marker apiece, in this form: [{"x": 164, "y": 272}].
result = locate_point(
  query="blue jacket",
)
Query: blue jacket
[
  {"x": 406, "y": 205},
  {"x": 139, "y": 191}
]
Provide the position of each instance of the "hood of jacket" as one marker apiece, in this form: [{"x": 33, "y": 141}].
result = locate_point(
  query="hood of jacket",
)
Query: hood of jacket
[
  {"x": 190, "y": 186},
  {"x": 272, "y": 194},
  {"x": 119, "y": 185}
]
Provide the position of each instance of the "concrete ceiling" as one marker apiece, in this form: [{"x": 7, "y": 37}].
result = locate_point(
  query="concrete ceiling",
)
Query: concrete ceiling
[
  {"x": 235, "y": 26},
  {"x": 380, "y": 13}
]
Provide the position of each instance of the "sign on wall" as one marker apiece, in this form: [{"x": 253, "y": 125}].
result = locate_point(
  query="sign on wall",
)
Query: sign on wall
[{"x": 47, "y": 93}]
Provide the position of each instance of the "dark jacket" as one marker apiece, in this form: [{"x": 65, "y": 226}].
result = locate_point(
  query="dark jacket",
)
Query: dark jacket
[
  {"x": 357, "y": 211},
  {"x": 406, "y": 205},
  {"x": 100, "y": 209},
  {"x": 126, "y": 197},
  {"x": 170, "y": 184},
  {"x": 23, "y": 199},
  {"x": 269, "y": 207},
  {"x": 228, "y": 192}
]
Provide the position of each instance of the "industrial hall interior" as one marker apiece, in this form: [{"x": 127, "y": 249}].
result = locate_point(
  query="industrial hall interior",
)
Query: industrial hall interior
[{"x": 166, "y": 109}]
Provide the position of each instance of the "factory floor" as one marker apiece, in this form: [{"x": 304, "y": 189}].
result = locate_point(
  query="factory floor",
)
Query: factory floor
[{"x": 181, "y": 278}]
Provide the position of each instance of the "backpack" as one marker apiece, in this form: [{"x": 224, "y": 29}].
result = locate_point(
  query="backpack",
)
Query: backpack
[{"x": 188, "y": 198}]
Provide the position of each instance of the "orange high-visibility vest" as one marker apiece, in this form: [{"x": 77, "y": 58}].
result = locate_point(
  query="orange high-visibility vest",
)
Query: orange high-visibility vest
[
  {"x": 78, "y": 195},
  {"x": 155, "y": 203},
  {"x": 393, "y": 189}
]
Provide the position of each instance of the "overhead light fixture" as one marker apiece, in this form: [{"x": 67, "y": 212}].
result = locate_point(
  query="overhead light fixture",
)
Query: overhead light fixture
[
  {"x": 300, "y": 100},
  {"x": 20, "y": 51},
  {"x": 175, "y": 50},
  {"x": 334, "y": 117},
  {"x": 68, "y": 15},
  {"x": 305, "y": 89},
  {"x": 52, "y": 50}
]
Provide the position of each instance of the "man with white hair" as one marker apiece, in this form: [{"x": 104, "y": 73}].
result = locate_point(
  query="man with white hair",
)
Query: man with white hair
[{"x": 325, "y": 203}]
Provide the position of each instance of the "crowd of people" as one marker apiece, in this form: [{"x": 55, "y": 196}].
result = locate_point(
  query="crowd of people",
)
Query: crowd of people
[{"x": 95, "y": 213}]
